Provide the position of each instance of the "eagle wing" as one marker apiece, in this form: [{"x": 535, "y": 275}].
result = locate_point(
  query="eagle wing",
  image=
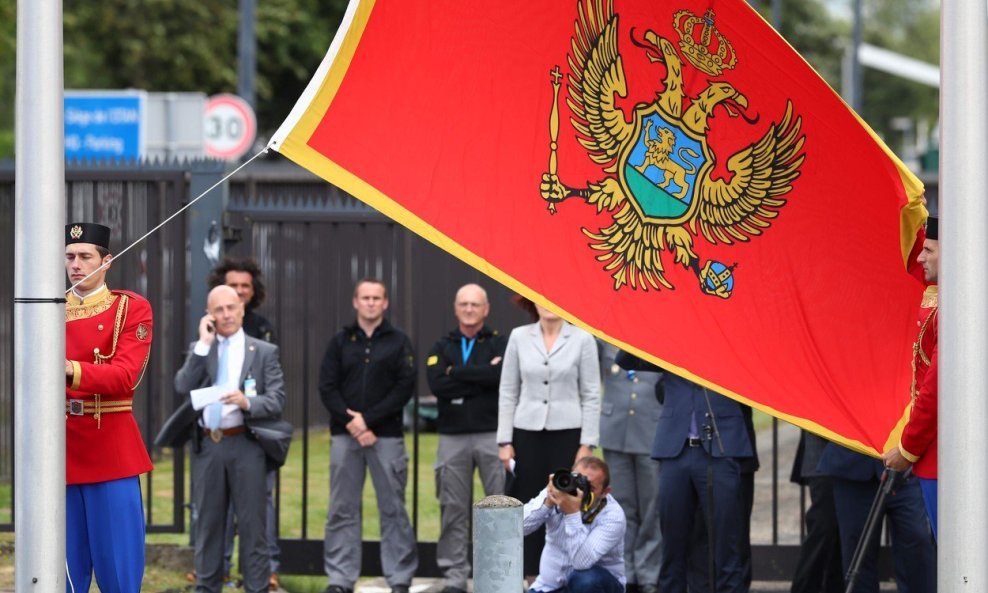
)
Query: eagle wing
[
  {"x": 596, "y": 76},
  {"x": 743, "y": 207}
]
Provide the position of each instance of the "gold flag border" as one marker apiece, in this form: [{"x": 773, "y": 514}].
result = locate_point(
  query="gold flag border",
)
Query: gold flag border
[{"x": 291, "y": 140}]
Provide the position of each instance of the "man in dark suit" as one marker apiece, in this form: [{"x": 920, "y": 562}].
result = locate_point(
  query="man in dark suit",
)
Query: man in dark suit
[
  {"x": 819, "y": 567},
  {"x": 700, "y": 438},
  {"x": 226, "y": 463},
  {"x": 856, "y": 482}
]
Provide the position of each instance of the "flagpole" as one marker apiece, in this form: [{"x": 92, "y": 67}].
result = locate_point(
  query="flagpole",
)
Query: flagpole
[
  {"x": 963, "y": 411},
  {"x": 39, "y": 326}
]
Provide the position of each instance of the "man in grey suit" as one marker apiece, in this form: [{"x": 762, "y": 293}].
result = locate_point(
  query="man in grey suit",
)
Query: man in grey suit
[
  {"x": 628, "y": 415},
  {"x": 227, "y": 464}
]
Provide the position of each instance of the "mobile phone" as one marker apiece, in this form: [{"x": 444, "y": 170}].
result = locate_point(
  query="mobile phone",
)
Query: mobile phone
[{"x": 210, "y": 327}]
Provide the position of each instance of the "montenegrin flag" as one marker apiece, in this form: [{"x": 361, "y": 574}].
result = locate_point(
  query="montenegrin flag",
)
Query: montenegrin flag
[{"x": 669, "y": 175}]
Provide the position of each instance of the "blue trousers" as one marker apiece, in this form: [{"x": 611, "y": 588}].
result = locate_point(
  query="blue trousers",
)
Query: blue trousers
[
  {"x": 592, "y": 580},
  {"x": 682, "y": 495},
  {"x": 929, "y": 488},
  {"x": 912, "y": 547},
  {"x": 104, "y": 524}
]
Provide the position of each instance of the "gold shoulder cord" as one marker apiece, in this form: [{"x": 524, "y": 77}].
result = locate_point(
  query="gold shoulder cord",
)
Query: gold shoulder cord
[
  {"x": 918, "y": 352},
  {"x": 98, "y": 358}
]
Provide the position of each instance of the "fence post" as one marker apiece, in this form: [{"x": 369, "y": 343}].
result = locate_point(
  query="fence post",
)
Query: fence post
[{"x": 497, "y": 545}]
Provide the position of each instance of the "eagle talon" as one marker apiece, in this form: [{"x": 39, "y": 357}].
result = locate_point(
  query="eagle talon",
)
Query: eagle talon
[{"x": 552, "y": 190}]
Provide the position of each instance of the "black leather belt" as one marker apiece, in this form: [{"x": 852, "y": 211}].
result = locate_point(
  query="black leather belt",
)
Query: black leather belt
[{"x": 694, "y": 442}]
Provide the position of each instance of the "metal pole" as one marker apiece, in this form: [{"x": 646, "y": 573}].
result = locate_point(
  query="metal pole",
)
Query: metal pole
[
  {"x": 777, "y": 15},
  {"x": 497, "y": 545},
  {"x": 39, "y": 328},
  {"x": 963, "y": 413},
  {"x": 247, "y": 52},
  {"x": 856, "y": 97}
]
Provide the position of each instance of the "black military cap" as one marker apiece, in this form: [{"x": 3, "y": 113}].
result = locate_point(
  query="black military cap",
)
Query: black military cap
[
  {"x": 932, "y": 228},
  {"x": 87, "y": 232}
]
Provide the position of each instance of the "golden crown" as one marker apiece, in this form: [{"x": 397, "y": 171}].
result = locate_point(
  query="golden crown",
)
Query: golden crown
[{"x": 702, "y": 44}]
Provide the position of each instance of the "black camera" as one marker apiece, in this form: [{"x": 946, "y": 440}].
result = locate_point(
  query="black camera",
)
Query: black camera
[{"x": 569, "y": 482}]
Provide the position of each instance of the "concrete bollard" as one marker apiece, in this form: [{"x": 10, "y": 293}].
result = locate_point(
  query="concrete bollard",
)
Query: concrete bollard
[{"x": 497, "y": 545}]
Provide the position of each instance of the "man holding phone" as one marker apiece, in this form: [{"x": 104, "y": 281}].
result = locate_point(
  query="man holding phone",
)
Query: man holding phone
[{"x": 227, "y": 465}]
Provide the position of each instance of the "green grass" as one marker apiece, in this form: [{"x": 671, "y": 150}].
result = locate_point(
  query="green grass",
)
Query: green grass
[
  {"x": 290, "y": 517},
  {"x": 291, "y": 488}
]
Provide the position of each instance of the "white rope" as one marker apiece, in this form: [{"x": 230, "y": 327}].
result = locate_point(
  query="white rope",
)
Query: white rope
[{"x": 167, "y": 220}]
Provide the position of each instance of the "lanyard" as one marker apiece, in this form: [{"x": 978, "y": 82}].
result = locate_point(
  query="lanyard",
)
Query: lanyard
[{"x": 466, "y": 347}]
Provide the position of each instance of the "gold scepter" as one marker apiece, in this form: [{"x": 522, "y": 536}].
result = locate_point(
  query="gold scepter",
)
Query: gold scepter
[{"x": 555, "y": 75}]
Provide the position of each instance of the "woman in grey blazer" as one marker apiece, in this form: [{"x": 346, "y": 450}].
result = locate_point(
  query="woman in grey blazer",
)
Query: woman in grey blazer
[{"x": 549, "y": 407}]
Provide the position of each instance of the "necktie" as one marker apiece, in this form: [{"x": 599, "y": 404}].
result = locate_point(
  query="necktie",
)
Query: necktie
[{"x": 214, "y": 411}]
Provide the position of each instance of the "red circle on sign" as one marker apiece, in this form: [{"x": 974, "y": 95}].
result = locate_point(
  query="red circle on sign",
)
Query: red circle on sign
[{"x": 229, "y": 126}]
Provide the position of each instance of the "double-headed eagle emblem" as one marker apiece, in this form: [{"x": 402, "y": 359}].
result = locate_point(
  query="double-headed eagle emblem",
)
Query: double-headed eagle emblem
[{"x": 660, "y": 186}]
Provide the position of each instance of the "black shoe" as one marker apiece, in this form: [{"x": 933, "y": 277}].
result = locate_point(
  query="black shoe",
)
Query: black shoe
[
  {"x": 631, "y": 588},
  {"x": 453, "y": 590},
  {"x": 399, "y": 589},
  {"x": 336, "y": 589}
]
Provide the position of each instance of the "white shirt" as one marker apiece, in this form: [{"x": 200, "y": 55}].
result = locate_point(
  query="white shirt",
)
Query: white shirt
[
  {"x": 236, "y": 344},
  {"x": 572, "y": 545}
]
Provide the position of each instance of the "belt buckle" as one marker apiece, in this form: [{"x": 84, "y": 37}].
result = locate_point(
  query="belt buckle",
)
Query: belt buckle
[
  {"x": 76, "y": 407},
  {"x": 693, "y": 441},
  {"x": 216, "y": 434}
]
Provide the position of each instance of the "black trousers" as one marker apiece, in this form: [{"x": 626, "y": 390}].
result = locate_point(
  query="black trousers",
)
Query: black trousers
[
  {"x": 538, "y": 454},
  {"x": 819, "y": 567}
]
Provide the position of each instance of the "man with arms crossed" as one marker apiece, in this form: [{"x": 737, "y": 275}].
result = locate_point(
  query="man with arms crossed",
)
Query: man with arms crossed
[{"x": 464, "y": 370}]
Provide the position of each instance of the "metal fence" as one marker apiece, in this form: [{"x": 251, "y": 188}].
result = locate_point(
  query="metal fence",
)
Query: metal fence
[{"x": 312, "y": 242}]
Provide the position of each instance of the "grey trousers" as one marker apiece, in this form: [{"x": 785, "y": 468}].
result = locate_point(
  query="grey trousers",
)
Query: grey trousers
[
  {"x": 456, "y": 459},
  {"x": 271, "y": 530},
  {"x": 348, "y": 465},
  {"x": 635, "y": 485},
  {"x": 232, "y": 470}
]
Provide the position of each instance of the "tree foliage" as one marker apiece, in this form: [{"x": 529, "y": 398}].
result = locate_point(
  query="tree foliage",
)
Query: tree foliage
[
  {"x": 180, "y": 46},
  {"x": 191, "y": 45}
]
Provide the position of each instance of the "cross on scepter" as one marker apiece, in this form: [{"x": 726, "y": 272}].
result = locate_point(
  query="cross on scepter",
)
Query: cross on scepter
[{"x": 556, "y": 77}]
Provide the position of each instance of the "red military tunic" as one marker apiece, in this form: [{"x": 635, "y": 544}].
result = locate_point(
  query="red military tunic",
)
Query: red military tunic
[
  {"x": 107, "y": 340},
  {"x": 919, "y": 438}
]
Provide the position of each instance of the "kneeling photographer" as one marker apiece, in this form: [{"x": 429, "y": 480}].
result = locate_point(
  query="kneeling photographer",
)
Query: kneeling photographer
[{"x": 584, "y": 538}]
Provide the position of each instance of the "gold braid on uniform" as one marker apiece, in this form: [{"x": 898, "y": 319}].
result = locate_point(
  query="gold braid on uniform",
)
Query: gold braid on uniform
[
  {"x": 98, "y": 358},
  {"x": 929, "y": 300}
]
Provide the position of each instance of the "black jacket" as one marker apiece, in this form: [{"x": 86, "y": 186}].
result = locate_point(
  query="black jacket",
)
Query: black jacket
[
  {"x": 468, "y": 393},
  {"x": 374, "y": 376},
  {"x": 257, "y": 326}
]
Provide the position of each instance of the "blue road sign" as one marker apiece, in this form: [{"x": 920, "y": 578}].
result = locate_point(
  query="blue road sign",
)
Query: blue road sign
[{"x": 104, "y": 124}]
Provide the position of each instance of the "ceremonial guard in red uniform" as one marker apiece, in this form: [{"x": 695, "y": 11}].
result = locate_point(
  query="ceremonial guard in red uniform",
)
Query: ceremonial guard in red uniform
[
  {"x": 107, "y": 341},
  {"x": 918, "y": 444}
]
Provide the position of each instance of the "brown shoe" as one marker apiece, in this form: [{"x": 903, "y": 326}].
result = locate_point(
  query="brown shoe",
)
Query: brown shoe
[
  {"x": 274, "y": 584},
  {"x": 190, "y": 576}
]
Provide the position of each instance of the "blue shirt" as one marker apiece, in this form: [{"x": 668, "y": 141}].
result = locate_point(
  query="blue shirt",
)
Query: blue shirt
[{"x": 571, "y": 545}]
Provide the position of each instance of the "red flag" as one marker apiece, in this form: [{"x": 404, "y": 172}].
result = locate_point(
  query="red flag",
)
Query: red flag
[{"x": 669, "y": 175}]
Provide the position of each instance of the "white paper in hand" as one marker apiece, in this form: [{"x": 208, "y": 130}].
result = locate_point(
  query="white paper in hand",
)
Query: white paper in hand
[{"x": 207, "y": 395}]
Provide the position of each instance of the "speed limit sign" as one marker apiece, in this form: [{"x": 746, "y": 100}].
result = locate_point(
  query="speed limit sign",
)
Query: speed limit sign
[{"x": 230, "y": 127}]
